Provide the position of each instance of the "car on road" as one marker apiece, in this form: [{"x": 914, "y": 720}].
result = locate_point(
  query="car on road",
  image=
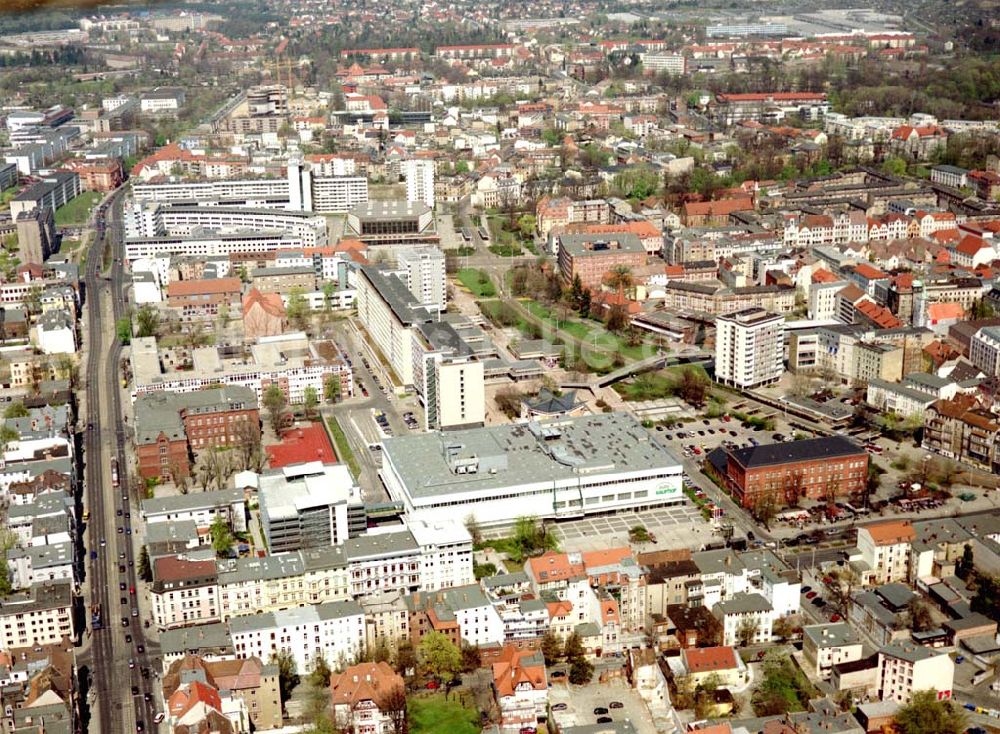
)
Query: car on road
[
  {"x": 559, "y": 707},
  {"x": 806, "y": 589},
  {"x": 960, "y": 659},
  {"x": 147, "y": 697},
  {"x": 139, "y": 726},
  {"x": 104, "y": 542},
  {"x": 158, "y": 718},
  {"x": 140, "y": 649},
  {"x": 135, "y": 612},
  {"x": 119, "y": 513},
  {"x": 834, "y": 617},
  {"x": 124, "y": 621},
  {"x": 131, "y": 663},
  {"x": 819, "y": 602},
  {"x": 135, "y": 690},
  {"x": 121, "y": 568},
  {"x": 131, "y": 589},
  {"x": 128, "y": 639}
]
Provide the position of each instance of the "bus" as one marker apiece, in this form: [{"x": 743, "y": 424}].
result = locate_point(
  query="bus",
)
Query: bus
[
  {"x": 114, "y": 472},
  {"x": 483, "y": 234},
  {"x": 466, "y": 235}
]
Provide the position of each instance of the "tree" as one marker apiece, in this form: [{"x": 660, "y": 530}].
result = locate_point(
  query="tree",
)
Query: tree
[
  {"x": 920, "y": 615},
  {"x": 894, "y": 166},
  {"x": 123, "y": 330},
  {"x": 16, "y": 410},
  {"x": 580, "y": 672},
  {"x": 145, "y": 569},
  {"x": 297, "y": 309},
  {"x": 147, "y": 321},
  {"x": 222, "y": 536},
  {"x": 692, "y": 388},
  {"x": 288, "y": 676},
  {"x": 551, "y": 647},
  {"x": 617, "y": 318},
  {"x": 392, "y": 703},
  {"x": 987, "y": 598},
  {"x": 782, "y": 689},
  {"x": 276, "y": 403},
  {"x": 405, "y": 660},
  {"x": 471, "y": 658},
  {"x": 620, "y": 279},
  {"x": 320, "y": 675},
  {"x": 747, "y": 630},
  {"x": 472, "y": 525},
  {"x": 925, "y": 714},
  {"x": 845, "y": 580},
  {"x": 5, "y": 586},
  {"x": 310, "y": 400},
  {"x": 966, "y": 564},
  {"x": 573, "y": 648},
  {"x": 439, "y": 656},
  {"x": 331, "y": 388},
  {"x": 7, "y": 436}
]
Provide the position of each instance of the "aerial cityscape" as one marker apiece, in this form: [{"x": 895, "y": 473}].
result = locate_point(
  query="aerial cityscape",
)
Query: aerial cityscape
[{"x": 564, "y": 367}]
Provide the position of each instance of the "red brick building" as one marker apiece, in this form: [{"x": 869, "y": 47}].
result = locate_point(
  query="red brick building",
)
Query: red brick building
[
  {"x": 783, "y": 473},
  {"x": 98, "y": 176},
  {"x": 171, "y": 426},
  {"x": 203, "y": 298}
]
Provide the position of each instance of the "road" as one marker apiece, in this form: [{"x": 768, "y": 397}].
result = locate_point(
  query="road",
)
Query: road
[{"x": 115, "y": 708}]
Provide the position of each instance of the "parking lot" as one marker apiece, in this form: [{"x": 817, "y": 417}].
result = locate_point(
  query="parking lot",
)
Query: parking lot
[{"x": 581, "y": 701}]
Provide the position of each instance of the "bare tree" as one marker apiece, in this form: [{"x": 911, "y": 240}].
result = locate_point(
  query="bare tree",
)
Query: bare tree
[{"x": 392, "y": 703}]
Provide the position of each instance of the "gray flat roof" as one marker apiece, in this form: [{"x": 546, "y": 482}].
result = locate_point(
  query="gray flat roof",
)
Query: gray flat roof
[
  {"x": 203, "y": 637},
  {"x": 524, "y": 454},
  {"x": 190, "y": 502},
  {"x": 403, "y": 303},
  {"x": 831, "y": 635}
]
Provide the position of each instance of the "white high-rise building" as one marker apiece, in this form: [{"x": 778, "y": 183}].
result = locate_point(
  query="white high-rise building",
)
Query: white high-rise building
[
  {"x": 419, "y": 181},
  {"x": 299, "y": 186},
  {"x": 749, "y": 348},
  {"x": 423, "y": 271}
]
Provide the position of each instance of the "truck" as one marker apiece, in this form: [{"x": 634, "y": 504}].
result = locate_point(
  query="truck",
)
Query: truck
[
  {"x": 95, "y": 617},
  {"x": 114, "y": 472}
]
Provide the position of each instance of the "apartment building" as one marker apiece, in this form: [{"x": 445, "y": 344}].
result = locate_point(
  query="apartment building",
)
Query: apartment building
[
  {"x": 184, "y": 592},
  {"x": 50, "y": 192},
  {"x": 781, "y": 473},
  {"x": 171, "y": 426},
  {"x": 36, "y": 235},
  {"x": 419, "y": 177},
  {"x": 202, "y": 299},
  {"x": 885, "y": 548},
  {"x": 769, "y": 106},
  {"x": 358, "y": 695},
  {"x": 963, "y": 430},
  {"x": 39, "y": 615},
  {"x": 984, "y": 350},
  {"x": 422, "y": 269},
  {"x": 521, "y": 688},
  {"x": 592, "y": 256},
  {"x": 449, "y": 378},
  {"x": 334, "y": 632},
  {"x": 717, "y": 299},
  {"x": 749, "y": 348},
  {"x": 905, "y": 667},
  {"x": 201, "y": 508},
  {"x": 826, "y": 645},
  {"x": 745, "y": 619},
  {"x": 551, "y": 213},
  {"x": 249, "y": 679}
]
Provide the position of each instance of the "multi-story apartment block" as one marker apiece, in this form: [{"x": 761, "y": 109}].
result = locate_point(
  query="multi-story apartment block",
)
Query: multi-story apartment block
[
  {"x": 593, "y": 256},
  {"x": 749, "y": 348},
  {"x": 419, "y": 175},
  {"x": 306, "y": 505},
  {"x": 422, "y": 269},
  {"x": 963, "y": 430},
  {"x": 184, "y": 592},
  {"x": 984, "y": 350},
  {"x": 905, "y": 667},
  {"x": 359, "y": 694},
  {"x": 334, "y": 632},
  {"x": 39, "y": 615},
  {"x": 885, "y": 548},
  {"x": 745, "y": 619}
]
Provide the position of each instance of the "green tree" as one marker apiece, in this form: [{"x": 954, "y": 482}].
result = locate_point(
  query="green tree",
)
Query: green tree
[
  {"x": 123, "y": 330},
  {"x": 573, "y": 647},
  {"x": 580, "y": 672},
  {"x": 7, "y": 436},
  {"x": 16, "y": 410},
  {"x": 405, "y": 660},
  {"x": 472, "y": 659},
  {"x": 439, "y": 657},
  {"x": 987, "y": 598},
  {"x": 288, "y": 676},
  {"x": 5, "y": 585},
  {"x": 144, "y": 567},
  {"x": 920, "y": 616},
  {"x": 276, "y": 404},
  {"x": 551, "y": 136},
  {"x": 552, "y": 649},
  {"x": 331, "y": 388},
  {"x": 925, "y": 714},
  {"x": 297, "y": 309},
  {"x": 320, "y": 675},
  {"x": 310, "y": 401},
  {"x": 147, "y": 321},
  {"x": 222, "y": 536},
  {"x": 783, "y": 688},
  {"x": 894, "y": 166}
]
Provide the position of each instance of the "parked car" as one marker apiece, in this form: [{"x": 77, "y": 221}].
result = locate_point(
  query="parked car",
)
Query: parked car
[
  {"x": 559, "y": 707},
  {"x": 616, "y": 705},
  {"x": 600, "y": 711},
  {"x": 604, "y": 719}
]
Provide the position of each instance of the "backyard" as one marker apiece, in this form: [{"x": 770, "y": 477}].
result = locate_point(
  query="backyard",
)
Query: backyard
[
  {"x": 77, "y": 211},
  {"x": 438, "y": 715}
]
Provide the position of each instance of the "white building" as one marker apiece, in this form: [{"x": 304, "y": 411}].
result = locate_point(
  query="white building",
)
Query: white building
[
  {"x": 41, "y": 615},
  {"x": 448, "y": 377},
  {"x": 826, "y": 645},
  {"x": 56, "y": 333},
  {"x": 984, "y": 350},
  {"x": 445, "y": 553},
  {"x": 723, "y": 576},
  {"x": 885, "y": 548},
  {"x": 202, "y": 508},
  {"x": 664, "y": 63},
  {"x": 334, "y": 632},
  {"x": 745, "y": 616},
  {"x": 823, "y": 304},
  {"x": 422, "y": 269},
  {"x": 561, "y": 468},
  {"x": 905, "y": 667},
  {"x": 749, "y": 348},
  {"x": 39, "y": 563},
  {"x": 419, "y": 175},
  {"x": 184, "y": 592}
]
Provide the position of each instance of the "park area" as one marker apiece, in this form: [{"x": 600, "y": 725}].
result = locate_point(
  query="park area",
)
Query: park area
[
  {"x": 78, "y": 210},
  {"x": 478, "y": 282}
]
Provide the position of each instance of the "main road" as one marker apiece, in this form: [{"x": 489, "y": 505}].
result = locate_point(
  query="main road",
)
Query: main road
[{"x": 117, "y": 663}]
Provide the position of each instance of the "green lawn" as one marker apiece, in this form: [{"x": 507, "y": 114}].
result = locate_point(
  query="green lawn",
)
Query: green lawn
[
  {"x": 587, "y": 331},
  {"x": 478, "y": 282},
  {"x": 435, "y": 715},
  {"x": 78, "y": 210},
  {"x": 343, "y": 447}
]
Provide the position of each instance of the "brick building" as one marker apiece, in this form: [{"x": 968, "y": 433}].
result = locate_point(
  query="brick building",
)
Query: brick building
[
  {"x": 593, "y": 256},
  {"x": 98, "y": 175},
  {"x": 820, "y": 468},
  {"x": 171, "y": 426},
  {"x": 202, "y": 298}
]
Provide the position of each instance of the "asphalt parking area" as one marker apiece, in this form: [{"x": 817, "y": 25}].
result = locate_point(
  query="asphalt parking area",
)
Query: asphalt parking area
[{"x": 580, "y": 702}]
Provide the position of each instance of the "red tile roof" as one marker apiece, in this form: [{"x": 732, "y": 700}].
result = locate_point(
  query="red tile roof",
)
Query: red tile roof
[
  {"x": 203, "y": 286},
  {"x": 270, "y": 302},
  {"x": 892, "y": 532},
  {"x": 709, "y": 659},
  {"x": 364, "y": 682}
]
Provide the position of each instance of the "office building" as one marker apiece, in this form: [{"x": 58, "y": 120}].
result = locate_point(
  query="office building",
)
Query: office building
[
  {"x": 36, "y": 235},
  {"x": 749, "y": 348},
  {"x": 782, "y": 473},
  {"x": 592, "y": 256},
  {"x": 448, "y": 377},
  {"x": 419, "y": 175},
  {"x": 305, "y": 505},
  {"x": 562, "y": 468},
  {"x": 392, "y": 222},
  {"x": 664, "y": 63}
]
